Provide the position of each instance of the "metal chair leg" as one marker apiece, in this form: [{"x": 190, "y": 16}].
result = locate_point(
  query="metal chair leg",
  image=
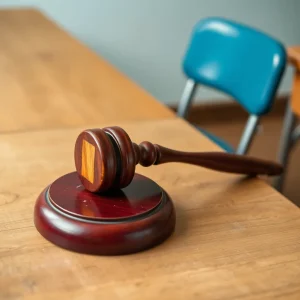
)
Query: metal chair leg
[
  {"x": 286, "y": 142},
  {"x": 295, "y": 135},
  {"x": 248, "y": 135},
  {"x": 186, "y": 98}
]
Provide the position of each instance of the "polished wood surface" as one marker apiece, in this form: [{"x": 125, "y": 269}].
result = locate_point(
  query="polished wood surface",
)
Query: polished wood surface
[
  {"x": 139, "y": 198},
  {"x": 111, "y": 161},
  {"x": 221, "y": 161},
  {"x": 50, "y": 80},
  {"x": 294, "y": 60},
  {"x": 120, "y": 222},
  {"x": 294, "y": 55},
  {"x": 295, "y": 93},
  {"x": 96, "y": 180},
  {"x": 235, "y": 238}
]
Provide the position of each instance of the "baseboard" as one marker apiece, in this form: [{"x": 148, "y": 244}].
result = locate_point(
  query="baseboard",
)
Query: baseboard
[{"x": 217, "y": 111}]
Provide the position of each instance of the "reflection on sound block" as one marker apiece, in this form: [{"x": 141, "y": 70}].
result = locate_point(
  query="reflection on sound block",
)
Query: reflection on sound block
[{"x": 118, "y": 221}]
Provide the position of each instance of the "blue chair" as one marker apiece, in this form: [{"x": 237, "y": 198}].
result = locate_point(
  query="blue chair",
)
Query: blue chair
[{"x": 239, "y": 61}]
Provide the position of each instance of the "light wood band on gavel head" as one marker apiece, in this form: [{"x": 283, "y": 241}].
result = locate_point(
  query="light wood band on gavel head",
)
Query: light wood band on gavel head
[{"x": 106, "y": 158}]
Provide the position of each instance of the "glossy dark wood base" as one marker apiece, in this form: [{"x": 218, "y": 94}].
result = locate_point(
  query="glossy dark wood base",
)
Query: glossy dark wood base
[{"x": 124, "y": 221}]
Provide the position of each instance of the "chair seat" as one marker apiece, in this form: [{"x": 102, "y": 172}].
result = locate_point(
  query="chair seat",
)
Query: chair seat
[{"x": 217, "y": 140}]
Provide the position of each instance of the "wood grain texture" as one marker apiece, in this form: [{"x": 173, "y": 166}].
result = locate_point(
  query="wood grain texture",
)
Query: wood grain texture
[
  {"x": 294, "y": 60},
  {"x": 88, "y": 161},
  {"x": 294, "y": 55},
  {"x": 234, "y": 238},
  {"x": 295, "y": 93},
  {"x": 50, "y": 80}
]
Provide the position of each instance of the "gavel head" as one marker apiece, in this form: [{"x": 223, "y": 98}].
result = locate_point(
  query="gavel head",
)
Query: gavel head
[{"x": 105, "y": 158}]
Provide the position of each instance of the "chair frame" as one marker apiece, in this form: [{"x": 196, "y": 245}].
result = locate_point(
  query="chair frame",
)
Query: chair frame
[
  {"x": 289, "y": 136},
  {"x": 249, "y": 131}
]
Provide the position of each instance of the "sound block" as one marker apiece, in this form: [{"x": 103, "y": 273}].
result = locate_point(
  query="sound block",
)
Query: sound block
[{"x": 116, "y": 222}]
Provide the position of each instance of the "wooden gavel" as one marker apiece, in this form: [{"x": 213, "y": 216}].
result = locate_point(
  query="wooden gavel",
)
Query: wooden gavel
[{"x": 106, "y": 158}]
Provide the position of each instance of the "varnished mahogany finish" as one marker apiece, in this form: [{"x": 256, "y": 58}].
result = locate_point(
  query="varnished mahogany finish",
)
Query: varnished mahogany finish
[
  {"x": 110, "y": 162},
  {"x": 119, "y": 222},
  {"x": 138, "y": 198},
  {"x": 99, "y": 140}
]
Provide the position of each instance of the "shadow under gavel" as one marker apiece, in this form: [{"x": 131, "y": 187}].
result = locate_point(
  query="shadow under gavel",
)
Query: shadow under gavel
[{"x": 106, "y": 158}]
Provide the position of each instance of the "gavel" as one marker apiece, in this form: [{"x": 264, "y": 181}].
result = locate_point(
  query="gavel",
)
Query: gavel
[{"x": 106, "y": 159}]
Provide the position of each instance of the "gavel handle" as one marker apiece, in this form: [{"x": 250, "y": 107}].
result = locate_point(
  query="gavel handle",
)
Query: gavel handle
[{"x": 219, "y": 161}]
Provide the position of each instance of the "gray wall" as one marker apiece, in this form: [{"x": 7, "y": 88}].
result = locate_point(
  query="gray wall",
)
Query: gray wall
[{"x": 146, "y": 39}]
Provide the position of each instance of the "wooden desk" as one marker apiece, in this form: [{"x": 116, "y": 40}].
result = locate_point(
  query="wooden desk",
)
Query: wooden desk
[
  {"x": 290, "y": 133},
  {"x": 294, "y": 55},
  {"x": 50, "y": 80},
  {"x": 294, "y": 60},
  {"x": 235, "y": 238}
]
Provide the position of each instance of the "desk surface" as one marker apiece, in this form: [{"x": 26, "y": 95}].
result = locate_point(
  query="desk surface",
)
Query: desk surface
[
  {"x": 294, "y": 55},
  {"x": 234, "y": 239},
  {"x": 294, "y": 60},
  {"x": 50, "y": 80}
]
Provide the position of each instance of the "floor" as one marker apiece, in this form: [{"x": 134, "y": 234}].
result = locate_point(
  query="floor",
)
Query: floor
[{"x": 265, "y": 145}]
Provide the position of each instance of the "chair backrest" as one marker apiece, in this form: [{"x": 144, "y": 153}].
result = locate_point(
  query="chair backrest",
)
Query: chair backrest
[{"x": 238, "y": 60}]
